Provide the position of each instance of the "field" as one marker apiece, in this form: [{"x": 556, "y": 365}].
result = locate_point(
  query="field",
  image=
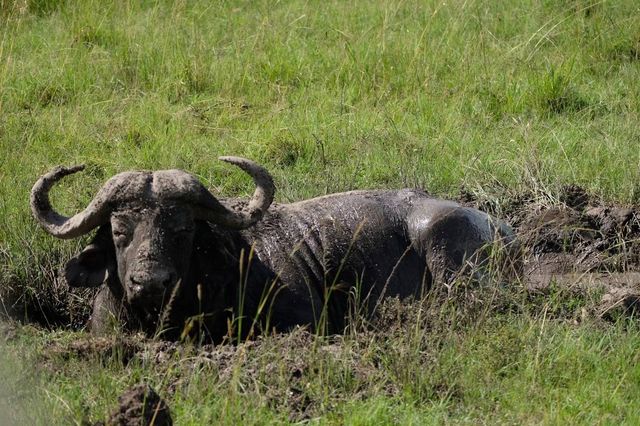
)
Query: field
[{"x": 516, "y": 107}]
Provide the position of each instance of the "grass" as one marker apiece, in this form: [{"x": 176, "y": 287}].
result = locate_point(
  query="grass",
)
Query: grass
[
  {"x": 510, "y": 369},
  {"x": 329, "y": 96}
]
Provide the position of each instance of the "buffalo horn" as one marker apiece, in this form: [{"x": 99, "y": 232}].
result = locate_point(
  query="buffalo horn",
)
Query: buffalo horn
[
  {"x": 259, "y": 203},
  {"x": 61, "y": 226}
]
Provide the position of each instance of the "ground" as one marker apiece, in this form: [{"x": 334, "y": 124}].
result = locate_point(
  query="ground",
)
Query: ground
[{"x": 578, "y": 243}]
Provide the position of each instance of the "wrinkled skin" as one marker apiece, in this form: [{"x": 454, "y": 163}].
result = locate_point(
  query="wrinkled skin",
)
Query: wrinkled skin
[{"x": 161, "y": 268}]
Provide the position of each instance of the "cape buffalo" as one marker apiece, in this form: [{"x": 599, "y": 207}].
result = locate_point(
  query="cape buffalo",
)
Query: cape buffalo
[{"x": 169, "y": 256}]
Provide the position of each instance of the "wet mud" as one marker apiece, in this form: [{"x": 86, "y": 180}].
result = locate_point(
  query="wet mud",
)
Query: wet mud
[
  {"x": 576, "y": 242},
  {"x": 139, "y": 405}
]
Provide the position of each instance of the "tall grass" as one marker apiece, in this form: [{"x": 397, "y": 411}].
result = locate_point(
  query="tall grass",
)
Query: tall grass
[{"x": 330, "y": 96}]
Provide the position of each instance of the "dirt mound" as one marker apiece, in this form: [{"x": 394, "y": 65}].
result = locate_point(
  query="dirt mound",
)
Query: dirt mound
[
  {"x": 140, "y": 405},
  {"x": 279, "y": 369},
  {"x": 123, "y": 348},
  {"x": 575, "y": 241}
]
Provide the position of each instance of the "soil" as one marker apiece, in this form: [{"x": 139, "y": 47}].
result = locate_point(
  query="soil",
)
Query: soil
[
  {"x": 279, "y": 369},
  {"x": 575, "y": 242},
  {"x": 140, "y": 405},
  {"x": 123, "y": 348}
]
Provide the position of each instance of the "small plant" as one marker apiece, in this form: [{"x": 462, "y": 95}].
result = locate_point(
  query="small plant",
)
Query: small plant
[{"x": 555, "y": 92}]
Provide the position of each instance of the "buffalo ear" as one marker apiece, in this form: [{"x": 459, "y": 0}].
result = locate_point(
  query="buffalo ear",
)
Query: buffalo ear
[{"x": 88, "y": 269}]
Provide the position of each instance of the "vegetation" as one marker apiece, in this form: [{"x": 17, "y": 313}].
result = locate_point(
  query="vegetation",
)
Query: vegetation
[
  {"x": 508, "y": 370},
  {"x": 493, "y": 97}
]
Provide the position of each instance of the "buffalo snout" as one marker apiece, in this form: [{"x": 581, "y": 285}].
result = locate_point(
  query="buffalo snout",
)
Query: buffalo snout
[{"x": 148, "y": 286}]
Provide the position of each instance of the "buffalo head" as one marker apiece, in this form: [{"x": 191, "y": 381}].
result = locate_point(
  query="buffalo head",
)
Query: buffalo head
[{"x": 147, "y": 222}]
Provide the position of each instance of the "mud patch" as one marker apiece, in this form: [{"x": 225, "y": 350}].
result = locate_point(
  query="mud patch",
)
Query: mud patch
[
  {"x": 576, "y": 242},
  {"x": 123, "y": 349},
  {"x": 140, "y": 405},
  {"x": 283, "y": 370}
]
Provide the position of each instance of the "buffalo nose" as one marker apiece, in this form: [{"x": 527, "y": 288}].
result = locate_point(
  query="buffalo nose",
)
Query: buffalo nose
[{"x": 147, "y": 284}]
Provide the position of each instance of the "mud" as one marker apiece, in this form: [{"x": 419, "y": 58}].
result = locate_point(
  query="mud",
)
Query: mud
[
  {"x": 140, "y": 405},
  {"x": 575, "y": 242},
  {"x": 122, "y": 348}
]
